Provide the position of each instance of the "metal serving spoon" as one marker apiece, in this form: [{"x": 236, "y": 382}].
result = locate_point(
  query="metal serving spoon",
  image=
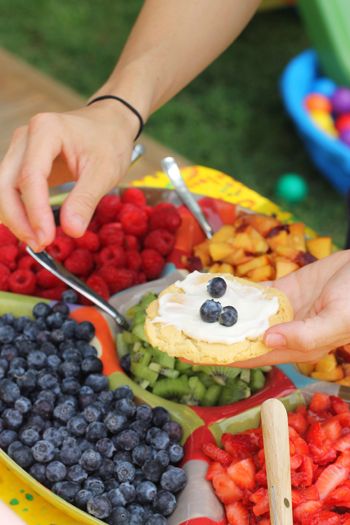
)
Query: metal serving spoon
[
  {"x": 74, "y": 282},
  {"x": 171, "y": 168}
]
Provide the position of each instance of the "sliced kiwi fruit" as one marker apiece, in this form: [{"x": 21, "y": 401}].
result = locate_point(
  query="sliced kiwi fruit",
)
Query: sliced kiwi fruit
[
  {"x": 165, "y": 360},
  {"x": 142, "y": 372},
  {"x": 212, "y": 395},
  {"x": 175, "y": 389},
  {"x": 234, "y": 391},
  {"x": 245, "y": 375},
  {"x": 220, "y": 374},
  {"x": 257, "y": 381}
]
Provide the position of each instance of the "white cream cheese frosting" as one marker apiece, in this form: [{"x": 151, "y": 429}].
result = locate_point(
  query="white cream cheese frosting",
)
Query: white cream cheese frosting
[{"x": 182, "y": 310}]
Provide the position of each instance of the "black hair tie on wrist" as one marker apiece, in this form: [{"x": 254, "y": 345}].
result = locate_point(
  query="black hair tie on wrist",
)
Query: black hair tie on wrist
[{"x": 125, "y": 103}]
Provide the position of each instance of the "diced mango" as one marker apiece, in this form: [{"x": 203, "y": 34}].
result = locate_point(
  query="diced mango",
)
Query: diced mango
[
  {"x": 320, "y": 247},
  {"x": 259, "y": 243},
  {"x": 225, "y": 233},
  {"x": 284, "y": 267},
  {"x": 257, "y": 262},
  {"x": 237, "y": 256},
  {"x": 287, "y": 251},
  {"x": 264, "y": 273},
  {"x": 306, "y": 368},
  {"x": 242, "y": 240},
  {"x": 221, "y": 268},
  {"x": 202, "y": 251},
  {"x": 327, "y": 364},
  {"x": 280, "y": 239},
  {"x": 263, "y": 223},
  {"x": 219, "y": 250},
  {"x": 297, "y": 236},
  {"x": 335, "y": 375}
]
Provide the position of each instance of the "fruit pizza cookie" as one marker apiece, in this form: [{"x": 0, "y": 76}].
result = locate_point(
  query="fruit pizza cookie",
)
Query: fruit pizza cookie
[{"x": 212, "y": 319}]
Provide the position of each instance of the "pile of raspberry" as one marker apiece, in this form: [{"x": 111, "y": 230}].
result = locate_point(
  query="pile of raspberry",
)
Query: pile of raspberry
[{"x": 127, "y": 243}]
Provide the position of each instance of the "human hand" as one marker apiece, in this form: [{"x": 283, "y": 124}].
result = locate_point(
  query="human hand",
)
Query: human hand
[
  {"x": 320, "y": 296},
  {"x": 95, "y": 142}
]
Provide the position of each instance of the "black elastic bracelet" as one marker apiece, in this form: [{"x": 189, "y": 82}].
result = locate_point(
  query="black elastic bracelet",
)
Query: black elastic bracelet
[{"x": 127, "y": 104}]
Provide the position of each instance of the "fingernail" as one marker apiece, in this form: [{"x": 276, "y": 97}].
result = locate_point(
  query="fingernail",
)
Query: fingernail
[
  {"x": 32, "y": 244},
  {"x": 77, "y": 222},
  {"x": 275, "y": 341},
  {"x": 41, "y": 237}
]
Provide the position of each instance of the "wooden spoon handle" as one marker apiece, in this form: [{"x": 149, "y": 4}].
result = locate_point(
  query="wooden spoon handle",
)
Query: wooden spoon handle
[{"x": 274, "y": 422}]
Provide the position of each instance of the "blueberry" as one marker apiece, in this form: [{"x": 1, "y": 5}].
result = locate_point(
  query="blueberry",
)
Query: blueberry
[
  {"x": 64, "y": 411},
  {"x": 57, "y": 336},
  {"x": 99, "y": 507},
  {"x": 85, "y": 331},
  {"x": 174, "y": 479},
  {"x": 136, "y": 510},
  {"x": 90, "y": 460},
  {"x": 56, "y": 471},
  {"x": 86, "y": 350},
  {"x": 228, "y": 316},
  {"x": 15, "y": 445},
  {"x": 140, "y": 427},
  {"x": 41, "y": 310},
  {"x": 125, "y": 471},
  {"x": 23, "y": 405},
  {"x": 53, "y": 361},
  {"x": 9, "y": 391},
  {"x": 69, "y": 442},
  {"x": 38, "y": 471},
  {"x": 116, "y": 497},
  {"x": 77, "y": 425},
  {"x": 210, "y": 311},
  {"x": 20, "y": 322},
  {"x": 144, "y": 413},
  {"x": 111, "y": 484},
  {"x": 23, "y": 456},
  {"x": 105, "y": 447},
  {"x": 217, "y": 287},
  {"x": 70, "y": 352},
  {"x": 152, "y": 470},
  {"x": 86, "y": 396},
  {"x": 84, "y": 444},
  {"x": 156, "y": 519},
  {"x": 141, "y": 453},
  {"x": 129, "y": 492},
  {"x": 42, "y": 337},
  {"x": 70, "y": 385},
  {"x": 160, "y": 416},
  {"x": 43, "y": 407},
  {"x": 48, "y": 348},
  {"x": 160, "y": 440},
  {"x": 7, "y": 334},
  {"x": 6, "y": 438},
  {"x": 68, "y": 399},
  {"x": 82, "y": 498},
  {"x": 70, "y": 368},
  {"x": 36, "y": 421},
  {"x": 29, "y": 436},
  {"x": 8, "y": 318},
  {"x": 128, "y": 439},
  {"x": 12, "y": 418},
  {"x": 97, "y": 382},
  {"x": 68, "y": 328},
  {"x": 92, "y": 413},
  {"x": 55, "y": 320},
  {"x": 123, "y": 392},
  {"x": 77, "y": 474},
  {"x": 96, "y": 430},
  {"x": 69, "y": 296},
  {"x": 164, "y": 503},
  {"x": 28, "y": 382},
  {"x": 24, "y": 345},
  {"x": 43, "y": 451},
  {"x": 9, "y": 352},
  {"x": 176, "y": 453},
  {"x": 121, "y": 455},
  {"x": 48, "y": 395},
  {"x": 119, "y": 516},
  {"x": 105, "y": 397},
  {"x": 94, "y": 485},
  {"x": 107, "y": 469},
  {"x": 53, "y": 435},
  {"x": 126, "y": 407},
  {"x": 4, "y": 364},
  {"x": 173, "y": 430},
  {"x": 31, "y": 330},
  {"x": 47, "y": 381},
  {"x": 70, "y": 455},
  {"x": 114, "y": 422},
  {"x": 146, "y": 492},
  {"x": 125, "y": 363},
  {"x": 91, "y": 365},
  {"x": 61, "y": 308},
  {"x": 66, "y": 490},
  {"x": 162, "y": 457}
]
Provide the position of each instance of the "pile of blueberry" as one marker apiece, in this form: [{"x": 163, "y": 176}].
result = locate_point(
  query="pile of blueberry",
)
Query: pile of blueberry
[
  {"x": 212, "y": 311},
  {"x": 93, "y": 447}
]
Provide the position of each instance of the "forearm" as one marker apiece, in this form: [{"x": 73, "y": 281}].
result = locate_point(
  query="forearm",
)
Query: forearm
[{"x": 171, "y": 42}]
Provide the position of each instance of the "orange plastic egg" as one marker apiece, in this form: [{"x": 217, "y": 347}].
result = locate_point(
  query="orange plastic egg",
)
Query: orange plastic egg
[{"x": 317, "y": 102}]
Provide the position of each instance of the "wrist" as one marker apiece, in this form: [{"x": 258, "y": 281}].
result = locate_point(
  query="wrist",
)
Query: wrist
[{"x": 112, "y": 112}]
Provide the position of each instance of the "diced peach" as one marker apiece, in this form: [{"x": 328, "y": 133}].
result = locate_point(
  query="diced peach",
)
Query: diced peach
[
  {"x": 287, "y": 251},
  {"x": 215, "y": 268},
  {"x": 257, "y": 262},
  {"x": 237, "y": 257},
  {"x": 306, "y": 368},
  {"x": 297, "y": 236},
  {"x": 242, "y": 240},
  {"x": 335, "y": 375},
  {"x": 225, "y": 233},
  {"x": 221, "y": 268},
  {"x": 280, "y": 239},
  {"x": 327, "y": 364},
  {"x": 259, "y": 243},
  {"x": 219, "y": 250},
  {"x": 263, "y": 223},
  {"x": 320, "y": 247},
  {"x": 284, "y": 267},
  {"x": 202, "y": 251},
  {"x": 264, "y": 273}
]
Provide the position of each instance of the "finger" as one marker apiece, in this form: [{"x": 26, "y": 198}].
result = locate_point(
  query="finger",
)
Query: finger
[
  {"x": 43, "y": 146},
  {"x": 79, "y": 206}
]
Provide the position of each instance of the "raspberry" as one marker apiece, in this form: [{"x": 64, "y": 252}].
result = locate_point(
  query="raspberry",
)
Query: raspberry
[
  {"x": 89, "y": 241},
  {"x": 6, "y": 236},
  {"x": 98, "y": 284},
  {"x": 22, "y": 281},
  {"x": 28, "y": 263},
  {"x": 53, "y": 293},
  {"x": 131, "y": 242},
  {"x": 4, "y": 277},
  {"x": 134, "y": 196},
  {"x": 111, "y": 233},
  {"x": 117, "y": 279},
  {"x": 94, "y": 225},
  {"x": 134, "y": 220},
  {"x": 112, "y": 254},
  {"x": 22, "y": 249},
  {"x": 141, "y": 278},
  {"x": 133, "y": 260},
  {"x": 79, "y": 262},
  {"x": 161, "y": 240},
  {"x": 152, "y": 263},
  {"x": 166, "y": 216},
  {"x": 107, "y": 209},
  {"x": 8, "y": 255},
  {"x": 46, "y": 279},
  {"x": 61, "y": 247}
]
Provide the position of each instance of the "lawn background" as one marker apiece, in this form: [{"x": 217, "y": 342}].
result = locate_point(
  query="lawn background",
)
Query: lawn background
[{"x": 230, "y": 118}]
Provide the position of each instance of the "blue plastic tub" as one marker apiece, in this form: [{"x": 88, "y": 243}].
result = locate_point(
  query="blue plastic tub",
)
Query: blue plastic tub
[{"x": 329, "y": 155}]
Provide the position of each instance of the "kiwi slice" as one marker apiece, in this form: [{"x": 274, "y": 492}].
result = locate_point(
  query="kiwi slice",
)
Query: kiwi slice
[
  {"x": 165, "y": 360},
  {"x": 174, "y": 389},
  {"x": 197, "y": 392},
  {"x": 139, "y": 332},
  {"x": 211, "y": 396},
  {"x": 245, "y": 375},
  {"x": 182, "y": 367},
  {"x": 234, "y": 391},
  {"x": 206, "y": 380},
  {"x": 220, "y": 374},
  {"x": 122, "y": 346},
  {"x": 258, "y": 379},
  {"x": 142, "y": 372},
  {"x": 147, "y": 300}
]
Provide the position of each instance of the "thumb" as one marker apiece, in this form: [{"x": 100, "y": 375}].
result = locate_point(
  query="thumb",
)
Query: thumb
[
  {"x": 81, "y": 203},
  {"x": 320, "y": 332}
]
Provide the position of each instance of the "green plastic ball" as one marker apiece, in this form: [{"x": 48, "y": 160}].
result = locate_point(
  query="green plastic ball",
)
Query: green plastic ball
[{"x": 291, "y": 187}]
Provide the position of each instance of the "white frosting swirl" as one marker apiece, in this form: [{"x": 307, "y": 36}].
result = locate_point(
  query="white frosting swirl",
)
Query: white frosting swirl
[{"x": 182, "y": 310}]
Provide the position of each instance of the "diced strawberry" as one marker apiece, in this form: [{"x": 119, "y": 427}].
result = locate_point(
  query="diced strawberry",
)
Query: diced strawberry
[
  {"x": 265, "y": 521},
  {"x": 300, "y": 446},
  {"x": 296, "y": 461},
  {"x": 214, "y": 469},
  {"x": 339, "y": 405},
  {"x": 340, "y": 497},
  {"x": 306, "y": 508},
  {"x": 344, "y": 459},
  {"x": 261, "y": 478},
  {"x": 324, "y": 517},
  {"x": 343, "y": 443},
  {"x": 226, "y": 489},
  {"x": 304, "y": 477},
  {"x": 298, "y": 422},
  {"x": 258, "y": 495},
  {"x": 217, "y": 454},
  {"x": 260, "y": 458},
  {"x": 262, "y": 505},
  {"x": 319, "y": 403},
  {"x": 332, "y": 429},
  {"x": 316, "y": 435},
  {"x": 344, "y": 419},
  {"x": 297, "y": 498},
  {"x": 345, "y": 519},
  {"x": 331, "y": 477},
  {"x": 237, "y": 514},
  {"x": 240, "y": 446},
  {"x": 243, "y": 473}
]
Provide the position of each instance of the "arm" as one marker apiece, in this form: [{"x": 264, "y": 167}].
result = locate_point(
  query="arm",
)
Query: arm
[{"x": 171, "y": 42}]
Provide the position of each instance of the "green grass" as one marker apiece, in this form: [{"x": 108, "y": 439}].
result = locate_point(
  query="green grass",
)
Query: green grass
[{"x": 230, "y": 118}]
